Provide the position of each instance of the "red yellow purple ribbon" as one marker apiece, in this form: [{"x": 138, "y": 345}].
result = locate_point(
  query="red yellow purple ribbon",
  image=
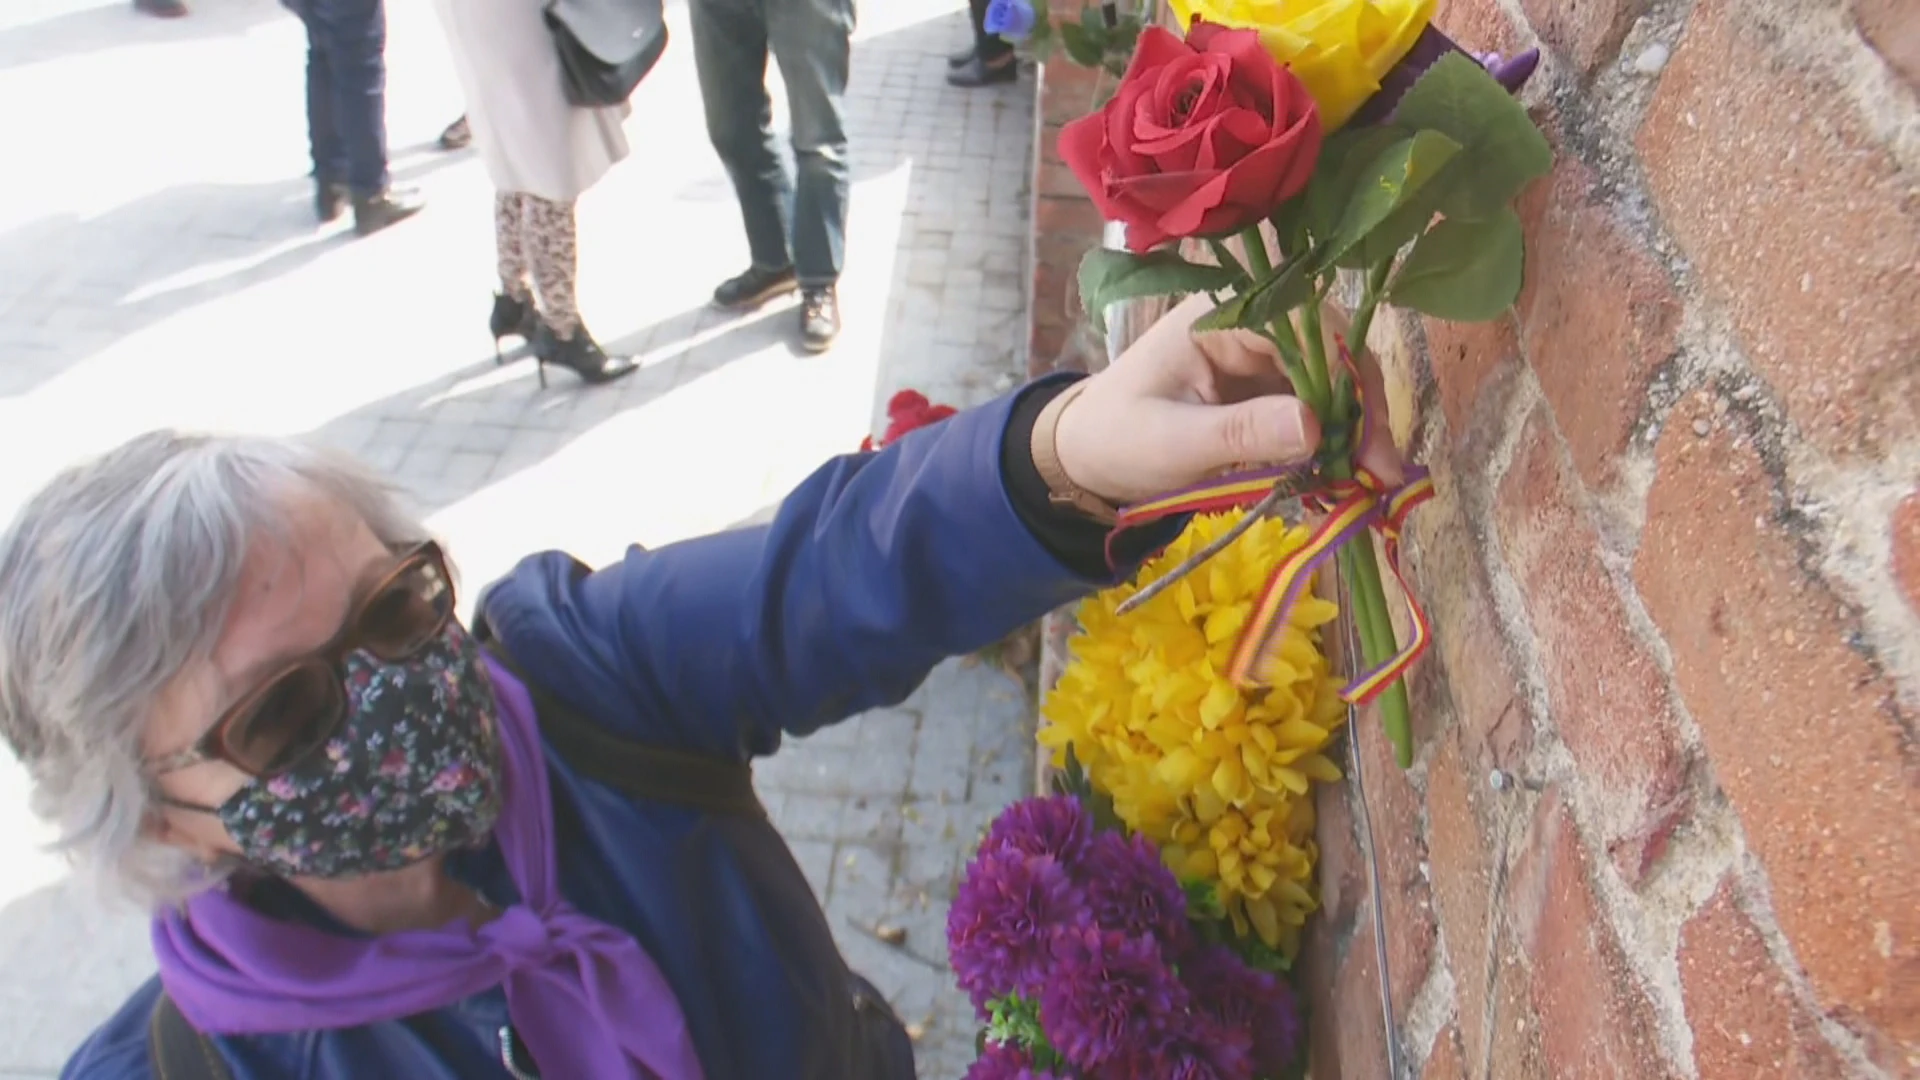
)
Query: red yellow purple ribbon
[{"x": 1352, "y": 508}]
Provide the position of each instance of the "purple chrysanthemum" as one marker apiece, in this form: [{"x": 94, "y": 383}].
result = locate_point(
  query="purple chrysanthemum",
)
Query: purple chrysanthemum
[
  {"x": 1055, "y": 825},
  {"x": 1000, "y": 1061},
  {"x": 1243, "y": 998},
  {"x": 999, "y": 928},
  {"x": 1110, "y": 998},
  {"x": 1130, "y": 890}
]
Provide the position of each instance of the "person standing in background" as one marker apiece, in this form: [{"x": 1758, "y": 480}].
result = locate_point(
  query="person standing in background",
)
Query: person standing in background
[
  {"x": 164, "y": 9},
  {"x": 542, "y": 153},
  {"x": 797, "y": 233},
  {"x": 347, "y": 113},
  {"x": 989, "y": 60}
]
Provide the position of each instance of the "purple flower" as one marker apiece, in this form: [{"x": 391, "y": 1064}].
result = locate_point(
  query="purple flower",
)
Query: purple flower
[
  {"x": 1003, "y": 1062},
  {"x": 1110, "y": 998},
  {"x": 1427, "y": 50},
  {"x": 1056, "y": 825},
  {"x": 1130, "y": 890},
  {"x": 1009, "y": 18},
  {"x": 1000, "y": 927},
  {"x": 1242, "y": 998}
]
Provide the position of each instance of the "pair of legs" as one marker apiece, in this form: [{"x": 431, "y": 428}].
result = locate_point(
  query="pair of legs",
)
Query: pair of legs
[
  {"x": 347, "y": 109},
  {"x": 796, "y": 226},
  {"x": 534, "y": 240},
  {"x": 991, "y": 58}
]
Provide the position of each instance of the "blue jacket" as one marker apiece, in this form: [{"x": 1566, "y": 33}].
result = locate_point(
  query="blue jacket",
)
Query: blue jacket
[{"x": 875, "y": 569}]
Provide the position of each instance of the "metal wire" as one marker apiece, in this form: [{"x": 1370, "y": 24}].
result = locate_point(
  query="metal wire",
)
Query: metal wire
[{"x": 1357, "y": 770}]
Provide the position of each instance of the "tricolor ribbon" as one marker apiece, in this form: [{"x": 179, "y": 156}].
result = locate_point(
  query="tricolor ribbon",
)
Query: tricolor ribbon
[{"x": 1352, "y": 508}]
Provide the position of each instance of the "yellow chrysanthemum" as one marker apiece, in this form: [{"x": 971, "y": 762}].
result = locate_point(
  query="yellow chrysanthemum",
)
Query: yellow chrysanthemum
[
  {"x": 1217, "y": 776},
  {"x": 1339, "y": 48}
]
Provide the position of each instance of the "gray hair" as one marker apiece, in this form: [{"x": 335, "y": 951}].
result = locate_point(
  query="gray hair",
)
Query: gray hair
[{"x": 116, "y": 577}]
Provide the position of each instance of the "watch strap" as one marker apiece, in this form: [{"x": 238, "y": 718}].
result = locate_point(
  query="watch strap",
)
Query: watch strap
[{"x": 1061, "y": 490}]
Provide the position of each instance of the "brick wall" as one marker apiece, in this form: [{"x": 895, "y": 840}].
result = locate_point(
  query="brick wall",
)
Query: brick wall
[{"x": 1674, "y": 568}]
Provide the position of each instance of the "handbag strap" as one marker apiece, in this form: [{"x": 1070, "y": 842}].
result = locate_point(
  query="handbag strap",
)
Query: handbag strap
[
  {"x": 179, "y": 1051},
  {"x": 703, "y": 782}
]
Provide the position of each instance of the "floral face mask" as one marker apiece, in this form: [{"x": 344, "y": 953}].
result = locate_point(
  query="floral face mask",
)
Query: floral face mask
[{"x": 412, "y": 772}]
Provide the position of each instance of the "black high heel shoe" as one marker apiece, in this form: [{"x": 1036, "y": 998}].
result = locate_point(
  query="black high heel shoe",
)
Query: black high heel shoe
[
  {"x": 579, "y": 354},
  {"x": 511, "y": 316}
]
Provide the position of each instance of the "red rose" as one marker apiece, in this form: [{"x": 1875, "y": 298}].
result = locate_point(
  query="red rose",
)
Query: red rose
[{"x": 1205, "y": 136}]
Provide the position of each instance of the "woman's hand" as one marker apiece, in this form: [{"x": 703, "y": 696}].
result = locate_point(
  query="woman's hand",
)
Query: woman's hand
[{"x": 1179, "y": 406}]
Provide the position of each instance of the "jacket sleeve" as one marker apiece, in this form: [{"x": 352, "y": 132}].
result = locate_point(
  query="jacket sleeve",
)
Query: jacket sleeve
[{"x": 874, "y": 569}]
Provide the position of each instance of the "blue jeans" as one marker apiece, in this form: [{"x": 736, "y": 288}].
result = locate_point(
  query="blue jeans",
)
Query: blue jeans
[
  {"x": 347, "y": 91},
  {"x": 803, "y": 226}
]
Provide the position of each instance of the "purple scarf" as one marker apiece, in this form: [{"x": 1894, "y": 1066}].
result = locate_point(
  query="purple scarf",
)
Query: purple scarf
[{"x": 584, "y": 995}]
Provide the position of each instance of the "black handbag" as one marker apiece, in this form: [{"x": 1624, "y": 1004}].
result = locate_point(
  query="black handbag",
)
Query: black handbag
[{"x": 606, "y": 46}]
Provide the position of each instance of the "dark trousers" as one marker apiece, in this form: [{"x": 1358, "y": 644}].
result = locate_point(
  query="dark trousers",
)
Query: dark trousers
[
  {"x": 347, "y": 91},
  {"x": 803, "y": 224},
  {"x": 988, "y": 47}
]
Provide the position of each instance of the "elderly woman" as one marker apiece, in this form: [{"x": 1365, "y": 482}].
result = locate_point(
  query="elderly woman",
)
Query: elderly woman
[{"x": 383, "y": 844}]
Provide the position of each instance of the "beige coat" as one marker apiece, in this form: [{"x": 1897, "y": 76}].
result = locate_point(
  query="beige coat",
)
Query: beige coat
[{"x": 531, "y": 140}]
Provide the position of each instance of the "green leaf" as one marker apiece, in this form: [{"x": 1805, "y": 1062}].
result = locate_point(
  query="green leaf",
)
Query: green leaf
[
  {"x": 1335, "y": 175},
  {"x": 1388, "y": 183},
  {"x": 1107, "y": 277},
  {"x": 1501, "y": 150},
  {"x": 1083, "y": 48},
  {"x": 1466, "y": 271},
  {"x": 1203, "y": 900},
  {"x": 1258, "y": 307}
]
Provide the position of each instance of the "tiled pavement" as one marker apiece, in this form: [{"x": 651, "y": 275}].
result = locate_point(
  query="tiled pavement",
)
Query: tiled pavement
[{"x": 158, "y": 266}]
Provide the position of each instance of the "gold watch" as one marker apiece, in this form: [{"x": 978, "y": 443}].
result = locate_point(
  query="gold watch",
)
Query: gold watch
[{"x": 1061, "y": 490}]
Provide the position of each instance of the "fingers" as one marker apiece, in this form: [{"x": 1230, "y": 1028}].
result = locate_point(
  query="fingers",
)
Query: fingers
[{"x": 1271, "y": 430}]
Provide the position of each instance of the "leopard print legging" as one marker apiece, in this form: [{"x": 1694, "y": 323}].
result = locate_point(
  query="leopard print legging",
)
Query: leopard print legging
[{"x": 535, "y": 241}]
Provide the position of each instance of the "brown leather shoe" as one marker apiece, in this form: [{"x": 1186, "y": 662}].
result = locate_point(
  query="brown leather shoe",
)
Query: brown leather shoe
[{"x": 371, "y": 214}]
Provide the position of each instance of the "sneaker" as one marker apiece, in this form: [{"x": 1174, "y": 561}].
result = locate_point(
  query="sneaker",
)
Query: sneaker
[
  {"x": 370, "y": 215},
  {"x": 165, "y": 9},
  {"x": 978, "y": 72},
  {"x": 753, "y": 288},
  {"x": 819, "y": 318}
]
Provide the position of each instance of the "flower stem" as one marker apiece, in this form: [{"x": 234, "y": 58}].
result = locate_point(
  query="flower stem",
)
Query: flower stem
[
  {"x": 1377, "y": 644},
  {"x": 1316, "y": 363},
  {"x": 1224, "y": 256},
  {"x": 1255, "y": 242}
]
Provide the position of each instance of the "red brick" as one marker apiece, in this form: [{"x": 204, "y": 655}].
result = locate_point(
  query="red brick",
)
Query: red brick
[
  {"x": 1065, "y": 95},
  {"x": 1478, "y": 25},
  {"x": 1593, "y": 1020},
  {"x": 1444, "y": 1061},
  {"x": 1075, "y": 216},
  {"x": 1058, "y": 181},
  {"x": 1799, "y": 224},
  {"x": 1806, "y": 738},
  {"x": 1608, "y": 698},
  {"x": 1356, "y": 1001},
  {"x": 1745, "y": 1023},
  {"x": 1597, "y": 316},
  {"x": 1892, "y": 27},
  {"x": 1465, "y": 356},
  {"x": 1393, "y": 810},
  {"x": 1341, "y": 872},
  {"x": 1587, "y": 32},
  {"x": 1906, "y": 547},
  {"x": 1479, "y": 682},
  {"x": 1491, "y": 990}
]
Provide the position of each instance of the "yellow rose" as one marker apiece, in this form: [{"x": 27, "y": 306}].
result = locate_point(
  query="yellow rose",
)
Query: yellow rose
[{"x": 1339, "y": 48}]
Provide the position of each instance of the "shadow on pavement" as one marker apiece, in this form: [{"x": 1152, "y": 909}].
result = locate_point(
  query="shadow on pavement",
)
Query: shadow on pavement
[
  {"x": 115, "y": 24},
  {"x": 132, "y": 266}
]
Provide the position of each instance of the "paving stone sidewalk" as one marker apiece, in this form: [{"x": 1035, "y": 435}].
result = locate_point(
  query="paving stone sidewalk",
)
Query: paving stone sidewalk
[{"x": 159, "y": 266}]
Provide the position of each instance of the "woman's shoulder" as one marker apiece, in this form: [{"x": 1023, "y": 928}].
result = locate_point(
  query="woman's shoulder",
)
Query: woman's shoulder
[{"x": 117, "y": 1050}]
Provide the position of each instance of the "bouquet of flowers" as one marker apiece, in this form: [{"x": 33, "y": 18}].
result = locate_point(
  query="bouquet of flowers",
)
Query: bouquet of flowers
[
  {"x": 1078, "y": 945},
  {"x": 1294, "y": 141}
]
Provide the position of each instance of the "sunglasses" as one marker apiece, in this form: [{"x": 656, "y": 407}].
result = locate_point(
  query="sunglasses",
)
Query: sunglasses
[{"x": 296, "y": 711}]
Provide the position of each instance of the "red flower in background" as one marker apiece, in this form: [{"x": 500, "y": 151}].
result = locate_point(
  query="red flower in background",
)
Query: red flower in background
[
  {"x": 908, "y": 409},
  {"x": 1204, "y": 137}
]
